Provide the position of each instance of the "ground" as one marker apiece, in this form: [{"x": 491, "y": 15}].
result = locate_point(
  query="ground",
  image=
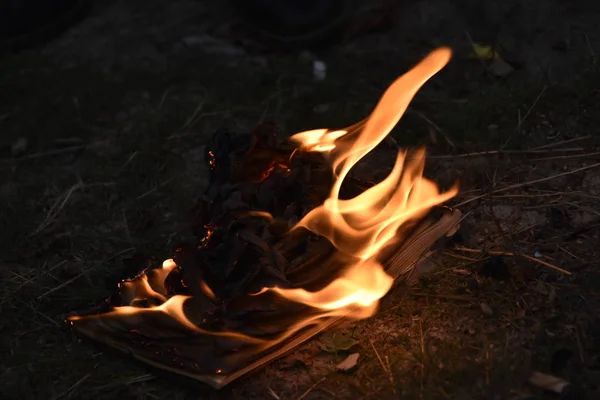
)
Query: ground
[{"x": 102, "y": 140}]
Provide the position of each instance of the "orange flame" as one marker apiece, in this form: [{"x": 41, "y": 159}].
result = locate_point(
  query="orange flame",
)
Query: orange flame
[
  {"x": 362, "y": 226},
  {"x": 359, "y": 227}
]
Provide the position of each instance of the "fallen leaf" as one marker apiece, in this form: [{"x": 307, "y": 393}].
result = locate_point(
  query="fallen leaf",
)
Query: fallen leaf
[
  {"x": 303, "y": 356},
  {"x": 349, "y": 363},
  {"x": 484, "y": 52},
  {"x": 332, "y": 342},
  {"x": 548, "y": 382}
]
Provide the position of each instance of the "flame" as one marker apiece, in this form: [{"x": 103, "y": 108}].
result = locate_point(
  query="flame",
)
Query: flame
[
  {"x": 359, "y": 228},
  {"x": 362, "y": 226},
  {"x": 318, "y": 139}
]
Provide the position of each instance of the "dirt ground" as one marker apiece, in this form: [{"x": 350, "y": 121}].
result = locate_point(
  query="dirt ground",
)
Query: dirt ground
[{"x": 102, "y": 135}]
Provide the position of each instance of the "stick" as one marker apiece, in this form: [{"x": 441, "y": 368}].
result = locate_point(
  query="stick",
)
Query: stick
[
  {"x": 546, "y": 146},
  {"x": 524, "y": 184},
  {"x": 73, "y": 279},
  {"x": 501, "y": 152},
  {"x": 385, "y": 369},
  {"x": 569, "y": 156},
  {"x": 507, "y": 253},
  {"x": 70, "y": 149},
  {"x": 56, "y": 208},
  {"x": 310, "y": 389},
  {"x": 73, "y": 387}
]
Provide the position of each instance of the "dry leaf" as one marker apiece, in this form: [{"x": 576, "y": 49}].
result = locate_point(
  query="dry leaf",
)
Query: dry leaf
[
  {"x": 349, "y": 363},
  {"x": 332, "y": 342},
  {"x": 303, "y": 356},
  {"x": 548, "y": 382},
  {"x": 484, "y": 52}
]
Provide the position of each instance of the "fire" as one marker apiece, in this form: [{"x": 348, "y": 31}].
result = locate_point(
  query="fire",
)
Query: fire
[
  {"x": 359, "y": 228},
  {"x": 362, "y": 226}
]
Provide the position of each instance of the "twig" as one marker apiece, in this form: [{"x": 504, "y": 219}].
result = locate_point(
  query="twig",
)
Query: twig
[
  {"x": 131, "y": 157},
  {"x": 528, "y": 183},
  {"x": 562, "y": 142},
  {"x": 163, "y": 98},
  {"x": 591, "y": 50},
  {"x": 529, "y": 196},
  {"x": 126, "y": 223},
  {"x": 386, "y": 370},
  {"x": 521, "y": 120},
  {"x": 70, "y": 149},
  {"x": 537, "y": 99},
  {"x": 422, "y": 354},
  {"x": 11, "y": 294},
  {"x": 507, "y": 253},
  {"x": 193, "y": 118},
  {"x": 273, "y": 394},
  {"x": 459, "y": 256},
  {"x": 444, "y": 296},
  {"x": 389, "y": 367},
  {"x": 548, "y": 194},
  {"x": 55, "y": 209},
  {"x": 583, "y": 208},
  {"x": 310, "y": 389},
  {"x": 434, "y": 126},
  {"x": 154, "y": 189},
  {"x": 137, "y": 379},
  {"x": 73, "y": 387},
  {"x": 502, "y": 152},
  {"x": 378, "y": 356},
  {"x": 568, "y": 252},
  {"x": 73, "y": 279},
  {"x": 547, "y": 264},
  {"x": 569, "y": 156},
  {"x": 41, "y": 314}
]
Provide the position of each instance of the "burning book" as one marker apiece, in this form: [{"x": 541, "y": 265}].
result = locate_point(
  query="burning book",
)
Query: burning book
[{"x": 291, "y": 244}]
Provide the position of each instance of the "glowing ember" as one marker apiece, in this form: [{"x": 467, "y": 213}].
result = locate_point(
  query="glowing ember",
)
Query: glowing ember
[{"x": 359, "y": 228}]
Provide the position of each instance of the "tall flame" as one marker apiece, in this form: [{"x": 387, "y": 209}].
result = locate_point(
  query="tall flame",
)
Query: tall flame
[{"x": 360, "y": 227}]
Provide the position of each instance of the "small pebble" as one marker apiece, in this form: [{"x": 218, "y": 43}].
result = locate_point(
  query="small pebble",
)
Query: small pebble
[{"x": 319, "y": 70}]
